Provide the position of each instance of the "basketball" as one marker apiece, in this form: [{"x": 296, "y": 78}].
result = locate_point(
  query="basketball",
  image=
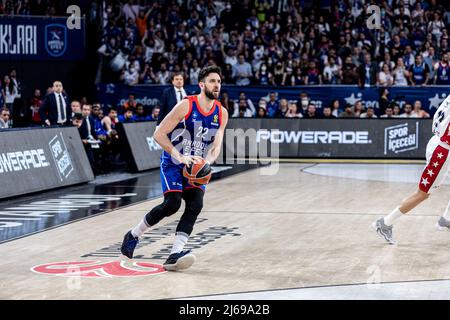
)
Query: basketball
[{"x": 198, "y": 173}]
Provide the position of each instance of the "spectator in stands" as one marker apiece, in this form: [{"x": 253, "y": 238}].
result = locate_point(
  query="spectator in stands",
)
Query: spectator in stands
[
  {"x": 332, "y": 72},
  {"x": 75, "y": 107},
  {"x": 155, "y": 113},
  {"x": 293, "y": 111},
  {"x": 418, "y": 72},
  {"x": 418, "y": 112},
  {"x": 304, "y": 102},
  {"x": 385, "y": 76},
  {"x": 88, "y": 121},
  {"x": 16, "y": 83},
  {"x": 131, "y": 103},
  {"x": 368, "y": 72},
  {"x": 4, "y": 118},
  {"x": 369, "y": 114},
  {"x": 348, "y": 112},
  {"x": 312, "y": 74},
  {"x": 9, "y": 92},
  {"x": 396, "y": 110},
  {"x": 349, "y": 72},
  {"x": 335, "y": 108},
  {"x": 109, "y": 124},
  {"x": 358, "y": 109},
  {"x": 261, "y": 112},
  {"x": 311, "y": 112},
  {"x": 401, "y": 74},
  {"x": 407, "y": 111},
  {"x": 34, "y": 106},
  {"x": 442, "y": 71},
  {"x": 55, "y": 109},
  {"x": 148, "y": 76},
  {"x": 264, "y": 77},
  {"x": 243, "y": 110},
  {"x": 383, "y": 101},
  {"x": 327, "y": 113},
  {"x": 388, "y": 112},
  {"x": 272, "y": 105},
  {"x": 227, "y": 103},
  {"x": 140, "y": 115},
  {"x": 171, "y": 96},
  {"x": 126, "y": 117},
  {"x": 242, "y": 71},
  {"x": 282, "y": 109}
]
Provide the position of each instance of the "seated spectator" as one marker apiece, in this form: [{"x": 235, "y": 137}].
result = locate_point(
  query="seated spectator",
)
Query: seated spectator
[
  {"x": 396, "y": 110},
  {"x": 367, "y": 72},
  {"x": 407, "y": 111},
  {"x": 131, "y": 103},
  {"x": 293, "y": 111},
  {"x": 130, "y": 76},
  {"x": 272, "y": 105},
  {"x": 348, "y": 112},
  {"x": 358, "y": 109},
  {"x": 349, "y": 72},
  {"x": 369, "y": 114},
  {"x": 312, "y": 75},
  {"x": 332, "y": 72},
  {"x": 304, "y": 102},
  {"x": 109, "y": 123},
  {"x": 75, "y": 105},
  {"x": 243, "y": 110},
  {"x": 388, "y": 112},
  {"x": 335, "y": 108},
  {"x": 5, "y": 118},
  {"x": 311, "y": 112},
  {"x": 127, "y": 117},
  {"x": 227, "y": 103},
  {"x": 155, "y": 113},
  {"x": 283, "y": 108},
  {"x": 140, "y": 115},
  {"x": 327, "y": 113},
  {"x": 418, "y": 112},
  {"x": 386, "y": 78},
  {"x": 261, "y": 112}
]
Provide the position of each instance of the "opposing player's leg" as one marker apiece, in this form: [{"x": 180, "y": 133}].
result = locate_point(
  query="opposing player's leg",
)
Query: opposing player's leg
[
  {"x": 172, "y": 184},
  {"x": 182, "y": 259},
  {"x": 432, "y": 177}
]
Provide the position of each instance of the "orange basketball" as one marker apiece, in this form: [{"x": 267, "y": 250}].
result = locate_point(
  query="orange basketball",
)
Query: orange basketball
[{"x": 198, "y": 174}]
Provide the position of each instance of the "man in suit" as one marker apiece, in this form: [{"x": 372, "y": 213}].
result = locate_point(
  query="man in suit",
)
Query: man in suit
[
  {"x": 56, "y": 107},
  {"x": 173, "y": 95}
]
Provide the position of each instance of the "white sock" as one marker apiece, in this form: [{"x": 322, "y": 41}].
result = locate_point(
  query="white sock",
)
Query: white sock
[
  {"x": 391, "y": 217},
  {"x": 140, "y": 229},
  {"x": 181, "y": 239},
  {"x": 446, "y": 211}
]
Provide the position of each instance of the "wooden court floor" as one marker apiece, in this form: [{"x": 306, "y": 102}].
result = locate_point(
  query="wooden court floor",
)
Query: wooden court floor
[{"x": 256, "y": 232}]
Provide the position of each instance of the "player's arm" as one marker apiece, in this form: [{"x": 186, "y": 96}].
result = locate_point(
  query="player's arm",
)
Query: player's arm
[
  {"x": 441, "y": 118},
  {"x": 166, "y": 127},
  {"x": 214, "y": 151}
]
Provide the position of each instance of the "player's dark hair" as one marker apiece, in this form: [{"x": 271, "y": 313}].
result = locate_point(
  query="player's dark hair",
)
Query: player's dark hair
[{"x": 207, "y": 70}]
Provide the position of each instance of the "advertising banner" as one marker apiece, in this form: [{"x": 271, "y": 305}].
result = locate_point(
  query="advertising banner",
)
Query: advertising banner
[{"x": 41, "y": 159}]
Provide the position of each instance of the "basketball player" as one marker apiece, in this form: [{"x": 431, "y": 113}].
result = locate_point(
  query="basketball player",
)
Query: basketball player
[
  {"x": 193, "y": 130},
  {"x": 434, "y": 174}
]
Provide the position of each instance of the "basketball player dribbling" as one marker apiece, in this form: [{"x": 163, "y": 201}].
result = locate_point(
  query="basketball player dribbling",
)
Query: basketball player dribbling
[
  {"x": 434, "y": 174},
  {"x": 195, "y": 126}
]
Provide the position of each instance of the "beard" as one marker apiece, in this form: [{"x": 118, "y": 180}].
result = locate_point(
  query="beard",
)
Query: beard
[{"x": 211, "y": 94}]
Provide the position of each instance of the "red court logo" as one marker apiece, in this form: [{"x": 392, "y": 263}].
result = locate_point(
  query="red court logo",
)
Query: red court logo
[{"x": 99, "y": 269}]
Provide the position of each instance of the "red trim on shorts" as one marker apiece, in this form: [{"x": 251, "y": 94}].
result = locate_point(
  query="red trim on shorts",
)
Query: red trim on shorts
[
  {"x": 199, "y": 108},
  {"x": 190, "y": 98},
  {"x": 434, "y": 167},
  {"x": 172, "y": 191}
]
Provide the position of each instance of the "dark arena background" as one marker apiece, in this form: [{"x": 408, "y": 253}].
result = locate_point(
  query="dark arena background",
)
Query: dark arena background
[{"x": 335, "y": 107}]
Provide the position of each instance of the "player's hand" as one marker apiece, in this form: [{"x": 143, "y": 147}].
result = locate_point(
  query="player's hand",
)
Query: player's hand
[{"x": 188, "y": 160}]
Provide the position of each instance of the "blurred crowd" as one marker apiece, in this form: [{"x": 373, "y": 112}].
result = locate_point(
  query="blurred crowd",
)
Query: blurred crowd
[{"x": 277, "y": 42}]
